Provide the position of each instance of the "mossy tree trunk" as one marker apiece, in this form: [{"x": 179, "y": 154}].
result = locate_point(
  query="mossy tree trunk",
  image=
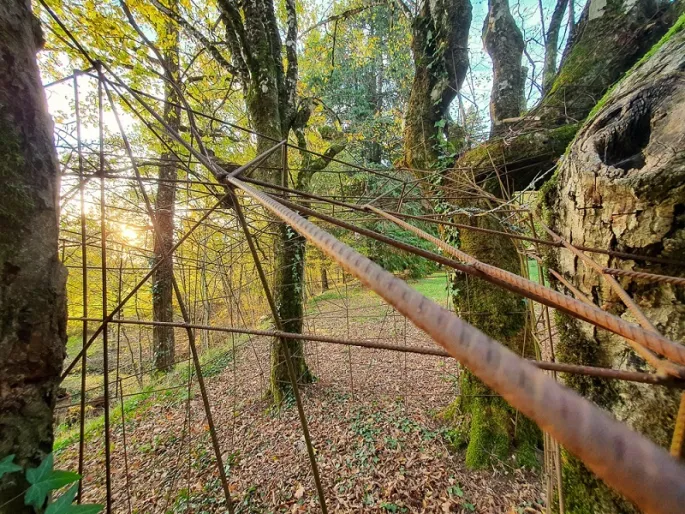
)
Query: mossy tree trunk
[
  {"x": 440, "y": 50},
  {"x": 622, "y": 187},
  {"x": 270, "y": 91},
  {"x": 32, "y": 282},
  {"x": 163, "y": 341},
  {"x": 504, "y": 43},
  {"x": 484, "y": 422}
]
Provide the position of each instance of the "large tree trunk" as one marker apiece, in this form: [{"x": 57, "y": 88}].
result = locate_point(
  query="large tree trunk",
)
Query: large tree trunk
[
  {"x": 504, "y": 43},
  {"x": 32, "y": 286},
  {"x": 163, "y": 340},
  {"x": 622, "y": 187},
  {"x": 609, "y": 39},
  {"x": 440, "y": 49}
]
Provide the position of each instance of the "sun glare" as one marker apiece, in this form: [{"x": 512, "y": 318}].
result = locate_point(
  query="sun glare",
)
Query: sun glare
[{"x": 129, "y": 234}]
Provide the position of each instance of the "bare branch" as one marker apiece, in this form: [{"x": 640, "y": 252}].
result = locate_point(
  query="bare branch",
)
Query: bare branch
[
  {"x": 342, "y": 16},
  {"x": 206, "y": 43}
]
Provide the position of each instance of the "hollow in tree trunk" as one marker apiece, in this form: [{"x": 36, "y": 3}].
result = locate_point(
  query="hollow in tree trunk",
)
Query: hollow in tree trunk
[
  {"x": 622, "y": 187},
  {"x": 32, "y": 282}
]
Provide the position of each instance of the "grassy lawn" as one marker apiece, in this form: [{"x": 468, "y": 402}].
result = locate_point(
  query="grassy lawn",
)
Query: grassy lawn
[{"x": 434, "y": 287}]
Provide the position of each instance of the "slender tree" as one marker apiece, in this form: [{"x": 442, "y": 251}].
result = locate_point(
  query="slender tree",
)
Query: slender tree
[
  {"x": 549, "y": 69},
  {"x": 504, "y": 43},
  {"x": 32, "y": 286},
  {"x": 274, "y": 110},
  {"x": 162, "y": 281}
]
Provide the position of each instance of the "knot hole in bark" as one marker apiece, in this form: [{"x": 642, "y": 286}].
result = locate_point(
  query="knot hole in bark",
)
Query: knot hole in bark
[{"x": 621, "y": 144}]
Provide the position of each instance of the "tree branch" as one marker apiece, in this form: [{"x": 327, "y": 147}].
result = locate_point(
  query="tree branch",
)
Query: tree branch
[
  {"x": 208, "y": 45},
  {"x": 342, "y": 16}
]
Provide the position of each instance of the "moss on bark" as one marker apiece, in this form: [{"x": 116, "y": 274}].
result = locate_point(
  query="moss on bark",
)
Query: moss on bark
[{"x": 485, "y": 424}]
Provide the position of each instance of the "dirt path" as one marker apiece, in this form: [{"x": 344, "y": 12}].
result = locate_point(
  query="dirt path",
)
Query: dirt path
[{"x": 371, "y": 415}]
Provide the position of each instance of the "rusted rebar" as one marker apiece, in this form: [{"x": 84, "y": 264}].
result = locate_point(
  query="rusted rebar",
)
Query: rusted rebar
[
  {"x": 594, "y": 371},
  {"x": 630, "y": 463},
  {"x": 643, "y": 340}
]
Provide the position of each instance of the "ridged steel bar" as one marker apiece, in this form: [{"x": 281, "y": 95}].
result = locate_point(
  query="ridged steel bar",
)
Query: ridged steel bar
[
  {"x": 103, "y": 275},
  {"x": 292, "y": 376},
  {"x": 633, "y": 465},
  {"x": 643, "y": 275},
  {"x": 638, "y": 337},
  {"x": 184, "y": 313},
  {"x": 615, "y": 374},
  {"x": 84, "y": 287},
  {"x": 425, "y": 219}
]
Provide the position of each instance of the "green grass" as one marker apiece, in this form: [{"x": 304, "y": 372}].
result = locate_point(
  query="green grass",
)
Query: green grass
[
  {"x": 331, "y": 294},
  {"x": 212, "y": 362},
  {"x": 434, "y": 287},
  {"x": 534, "y": 272}
]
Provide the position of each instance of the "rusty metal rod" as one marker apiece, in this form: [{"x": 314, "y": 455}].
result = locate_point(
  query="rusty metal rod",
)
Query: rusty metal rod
[
  {"x": 615, "y": 374},
  {"x": 184, "y": 312},
  {"x": 286, "y": 350},
  {"x": 678, "y": 440},
  {"x": 84, "y": 287},
  {"x": 612, "y": 253},
  {"x": 517, "y": 284},
  {"x": 625, "y": 460},
  {"x": 643, "y": 275},
  {"x": 638, "y": 337},
  {"x": 103, "y": 276}
]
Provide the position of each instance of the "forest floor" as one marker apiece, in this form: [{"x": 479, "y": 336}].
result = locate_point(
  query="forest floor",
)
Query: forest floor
[{"x": 372, "y": 415}]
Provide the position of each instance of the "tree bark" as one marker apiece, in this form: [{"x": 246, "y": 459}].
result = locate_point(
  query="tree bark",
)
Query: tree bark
[
  {"x": 163, "y": 341},
  {"x": 504, "y": 43},
  {"x": 549, "y": 69},
  {"x": 32, "y": 283},
  {"x": 622, "y": 187},
  {"x": 440, "y": 50},
  {"x": 609, "y": 38}
]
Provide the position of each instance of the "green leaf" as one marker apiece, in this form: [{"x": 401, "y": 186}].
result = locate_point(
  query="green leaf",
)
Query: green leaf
[
  {"x": 8, "y": 466},
  {"x": 44, "y": 479},
  {"x": 63, "y": 505},
  {"x": 86, "y": 509},
  {"x": 470, "y": 506}
]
